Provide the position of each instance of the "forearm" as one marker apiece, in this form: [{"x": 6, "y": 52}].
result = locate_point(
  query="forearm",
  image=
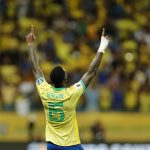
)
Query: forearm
[
  {"x": 34, "y": 60},
  {"x": 95, "y": 63},
  {"x": 92, "y": 70}
]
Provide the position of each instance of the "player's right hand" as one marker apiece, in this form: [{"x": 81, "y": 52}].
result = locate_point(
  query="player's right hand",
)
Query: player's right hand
[{"x": 30, "y": 38}]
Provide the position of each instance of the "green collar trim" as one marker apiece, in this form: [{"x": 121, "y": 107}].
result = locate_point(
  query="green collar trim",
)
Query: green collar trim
[{"x": 59, "y": 89}]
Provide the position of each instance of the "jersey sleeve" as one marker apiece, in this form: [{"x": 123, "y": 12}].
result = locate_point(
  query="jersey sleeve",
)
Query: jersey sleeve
[
  {"x": 42, "y": 85},
  {"x": 78, "y": 89}
]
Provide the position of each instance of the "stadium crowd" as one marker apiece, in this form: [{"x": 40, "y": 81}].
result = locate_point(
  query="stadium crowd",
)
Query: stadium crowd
[{"x": 68, "y": 33}]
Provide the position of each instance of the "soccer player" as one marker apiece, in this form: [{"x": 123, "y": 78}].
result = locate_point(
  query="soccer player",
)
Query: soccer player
[{"x": 59, "y": 101}]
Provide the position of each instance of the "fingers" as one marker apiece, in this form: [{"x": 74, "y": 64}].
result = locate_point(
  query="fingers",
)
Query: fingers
[
  {"x": 32, "y": 32},
  {"x": 30, "y": 38},
  {"x": 32, "y": 29},
  {"x": 103, "y": 32}
]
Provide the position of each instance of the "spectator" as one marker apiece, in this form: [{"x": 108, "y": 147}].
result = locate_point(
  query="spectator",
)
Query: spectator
[
  {"x": 92, "y": 97},
  {"x": 98, "y": 133},
  {"x": 144, "y": 99},
  {"x": 69, "y": 33}
]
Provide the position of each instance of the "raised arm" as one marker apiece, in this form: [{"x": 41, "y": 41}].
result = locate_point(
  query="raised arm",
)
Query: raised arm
[
  {"x": 92, "y": 70},
  {"x": 32, "y": 54}
]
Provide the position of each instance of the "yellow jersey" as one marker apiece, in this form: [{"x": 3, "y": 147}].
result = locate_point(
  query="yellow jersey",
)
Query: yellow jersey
[{"x": 60, "y": 111}]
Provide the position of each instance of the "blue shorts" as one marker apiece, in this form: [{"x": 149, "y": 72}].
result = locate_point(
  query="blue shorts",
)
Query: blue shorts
[{"x": 51, "y": 146}]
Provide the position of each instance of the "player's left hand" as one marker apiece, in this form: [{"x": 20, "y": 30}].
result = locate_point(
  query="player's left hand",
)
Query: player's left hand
[
  {"x": 103, "y": 34},
  {"x": 30, "y": 38},
  {"x": 104, "y": 42}
]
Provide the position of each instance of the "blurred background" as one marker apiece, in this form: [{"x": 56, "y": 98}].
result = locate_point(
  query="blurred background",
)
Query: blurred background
[{"x": 115, "y": 108}]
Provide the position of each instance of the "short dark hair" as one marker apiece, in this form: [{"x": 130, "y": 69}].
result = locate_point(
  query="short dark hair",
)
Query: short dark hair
[{"x": 57, "y": 76}]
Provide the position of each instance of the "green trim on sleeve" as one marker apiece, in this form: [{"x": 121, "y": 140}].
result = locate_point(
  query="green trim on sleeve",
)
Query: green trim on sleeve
[{"x": 83, "y": 84}]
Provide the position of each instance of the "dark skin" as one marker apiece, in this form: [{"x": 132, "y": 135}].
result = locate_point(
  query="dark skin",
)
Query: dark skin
[
  {"x": 87, "y": 77},
  {"x": 93, "y": 68},
  {"x": 32, "y": 54}
]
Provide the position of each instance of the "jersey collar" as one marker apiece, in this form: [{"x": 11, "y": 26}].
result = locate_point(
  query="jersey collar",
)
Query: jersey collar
[{"x": 59, "y": 89}]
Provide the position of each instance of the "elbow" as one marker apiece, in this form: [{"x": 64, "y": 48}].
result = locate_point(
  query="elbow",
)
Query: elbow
[{"x": 94, "y": 72}]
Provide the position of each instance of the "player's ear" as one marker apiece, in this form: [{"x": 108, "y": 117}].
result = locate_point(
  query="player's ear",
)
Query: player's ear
[{"x": 66, "y": 77}]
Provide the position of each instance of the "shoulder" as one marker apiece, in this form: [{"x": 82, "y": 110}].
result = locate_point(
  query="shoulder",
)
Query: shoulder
[
  {"x": 40, "y": 82},
  {"x": 79, "y": 86}
]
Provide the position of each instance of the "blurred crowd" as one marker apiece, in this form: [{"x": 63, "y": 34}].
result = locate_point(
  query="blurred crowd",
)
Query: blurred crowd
[{"x": 68, "y": 33}]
